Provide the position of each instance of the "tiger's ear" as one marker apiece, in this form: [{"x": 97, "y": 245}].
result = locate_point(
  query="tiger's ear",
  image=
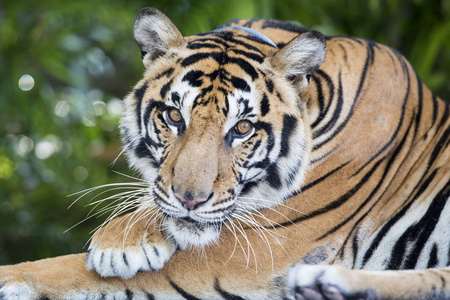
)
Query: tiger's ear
[
  {"x": 302, "y": 56},
  {"x": 155, "y": 34}
]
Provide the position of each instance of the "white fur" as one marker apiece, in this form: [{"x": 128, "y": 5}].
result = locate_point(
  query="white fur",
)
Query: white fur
[
  {"x": 190, "y": 237},
  {"x": 235, "y": 108},
  {"x": 303, "y": 53},
  {"x": 380, "y": 257},
  {"x": 313, "y": 276},
  {"x": 154, "y": 32},
  {"x": 187, "y": 94},
  {"x": 141, "y": 258},
  {"x": 298, "y": 57},
  {"x": 17, "y": 291}
]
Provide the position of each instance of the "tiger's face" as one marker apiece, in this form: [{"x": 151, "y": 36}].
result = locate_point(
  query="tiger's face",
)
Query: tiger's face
[{"x": 217, "y": 125}]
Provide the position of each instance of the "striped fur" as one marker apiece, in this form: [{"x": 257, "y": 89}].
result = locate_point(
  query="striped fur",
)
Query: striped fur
[{"x": 339, "y": 190}]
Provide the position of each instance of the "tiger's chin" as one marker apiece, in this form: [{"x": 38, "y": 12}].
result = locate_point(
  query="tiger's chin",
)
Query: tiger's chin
[{"x": 190, "y": 233}]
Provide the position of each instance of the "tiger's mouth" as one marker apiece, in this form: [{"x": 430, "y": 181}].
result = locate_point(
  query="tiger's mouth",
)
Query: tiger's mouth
[
  {"x": 188, "y": 232},
  {"x": 191, "y": 226},
  {"x": 205, "y": 215}
]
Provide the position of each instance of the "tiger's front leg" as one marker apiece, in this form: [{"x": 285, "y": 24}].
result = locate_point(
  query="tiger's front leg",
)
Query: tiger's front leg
[
  {"x": 127, "y": 245},
  {"x": 320, "y": 282}
]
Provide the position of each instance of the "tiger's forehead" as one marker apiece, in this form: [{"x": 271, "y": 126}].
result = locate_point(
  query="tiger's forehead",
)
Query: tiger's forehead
[
  {"x": 213, "y": 75},
  {"x": 213, "y": 94},
  {"x": 255, "y": 45}
]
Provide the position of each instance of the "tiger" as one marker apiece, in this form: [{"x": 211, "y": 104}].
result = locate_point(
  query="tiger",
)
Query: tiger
[{"x": 278, "y": 163}]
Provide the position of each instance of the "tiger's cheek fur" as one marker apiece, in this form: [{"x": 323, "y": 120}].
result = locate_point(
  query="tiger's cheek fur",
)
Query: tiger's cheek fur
[{"x": 281, "y": 155}]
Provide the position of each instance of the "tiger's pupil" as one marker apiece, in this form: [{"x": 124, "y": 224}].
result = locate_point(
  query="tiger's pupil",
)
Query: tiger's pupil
[
  {"x": 175, "y": 115},
  {"x": 243, "y": 127}
]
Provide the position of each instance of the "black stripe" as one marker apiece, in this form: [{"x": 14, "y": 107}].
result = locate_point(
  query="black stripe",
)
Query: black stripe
[
  {"x": 420, "y": 104},
  {"x": 344, "y": 50},
  {"x": 225, "y": 294},
  {"x": 273, "y": 176},
  {"x": 440, "y": 146},
  {"x": 113, "y": 267},
  {"x": 265, "y": 105},
  {"x": 125, "y": 259},
  {"x": 214, "y": 39},
  {"x": 239, "y": 83},
  {"x": 245, "y": 66},
  {"x": 389, "y": 164},
  {"x": 141, "y": 151},
  {"x": 166, "y": 73},
  {"x": 254, "y": 150},
  {"x": 313, "y": 161},
  {"x": 231, "y": 38},
  {"x": 433, "y": 260},
  {"x": 445, "y": 116},
  {"x": 435, "y": 108},
  {"x": 194, "y": 78},
  {"x": 320, "y": 96},
  {"x": 182, "y": 292},
  {"x": 369, "y": 59},
  {"x": 156, "y": 251},
  {"x": 150, "y": 296},
  {"x": 423, "y": 229},
  {"x": 256, "y": 40},
  {"x": 269, "y": 85},
  {"x": 175, "y": 97},
  {"x": 129, "y": 294},
  {"x": 391, "y": 222},
  {"x": 249, "y": 55},
  {"x": 197, "y": 45},
  {"x": 336, "y": 204},
  {"x": 151, "y": 106},
  {"x": 194, "y": 58},
  {"x": 275, "y": 24},
  {"x": 139, "y": 95},
  {"x": 267, "y": 127},
  {"x": 165, "y": 89},
  {"x": 448, "y": 257},
  {"x": 418, "y": 233},
  {"x": 355, "y": 246},
  {"x": 336, "y": 113},
  {"x": 146, "y": 255},
  {"x": 317, "y": 181},
  {"x": 289, "y": 125},
  {"x": 352, "y": 192}
]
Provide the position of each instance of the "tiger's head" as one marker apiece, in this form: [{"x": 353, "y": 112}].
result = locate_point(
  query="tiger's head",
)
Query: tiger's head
[{"x": 217, "y": 125}]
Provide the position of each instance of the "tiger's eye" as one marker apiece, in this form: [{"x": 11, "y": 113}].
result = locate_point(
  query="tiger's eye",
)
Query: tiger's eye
[
  {"x": 243, "y": 127},
  {"x": 175, "y": 115}
]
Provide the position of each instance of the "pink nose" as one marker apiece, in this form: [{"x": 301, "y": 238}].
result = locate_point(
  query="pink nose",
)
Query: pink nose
[{"x": 190, "y": 204}]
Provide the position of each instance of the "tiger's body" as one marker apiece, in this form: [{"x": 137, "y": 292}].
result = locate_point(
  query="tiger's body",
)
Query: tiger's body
[{"x": 333, "y": 195}]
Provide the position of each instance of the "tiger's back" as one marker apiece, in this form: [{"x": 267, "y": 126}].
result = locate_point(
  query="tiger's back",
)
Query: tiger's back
[
  {"x": 375, "y": 194},
  {"x": 380, "y": 155}
]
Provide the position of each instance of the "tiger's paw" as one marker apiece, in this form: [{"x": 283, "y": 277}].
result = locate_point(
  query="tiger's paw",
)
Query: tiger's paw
[
  {"x": 15, "y": 291},
  {"x": 121, "y": 250},
  {"x": 317, "y": 282}
]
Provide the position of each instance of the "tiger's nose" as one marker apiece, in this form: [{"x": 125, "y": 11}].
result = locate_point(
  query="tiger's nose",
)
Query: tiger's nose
[{"x": 190, "y": 202}]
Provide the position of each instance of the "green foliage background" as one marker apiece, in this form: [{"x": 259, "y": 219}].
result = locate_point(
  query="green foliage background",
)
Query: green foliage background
[{"x": 60, "y": 137}]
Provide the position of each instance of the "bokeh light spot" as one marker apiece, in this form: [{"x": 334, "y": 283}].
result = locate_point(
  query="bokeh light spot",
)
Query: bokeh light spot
[
  {"x": 62, "y": 108},
  {"x": 24, "y": 146},
  {"x": 26, "y": 82},
  {"x": 80, "y": 173},
  {"x": 115, "y": 107}
]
